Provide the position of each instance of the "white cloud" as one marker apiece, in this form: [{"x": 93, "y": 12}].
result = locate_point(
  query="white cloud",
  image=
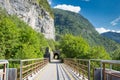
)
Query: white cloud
[
  {"x": 116, "y": 21},
  {"x": 103, "y": 30},
  {"x": 49, "y": 1},
  {"x": 72, "y": 8},
  {"x": 86, "y": 0}
]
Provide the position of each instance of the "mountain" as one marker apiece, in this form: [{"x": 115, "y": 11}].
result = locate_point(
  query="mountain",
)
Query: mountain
[
  {"x": 36, "y": 13},
  {"x": 112, "y": 35},
  {"x": 73, "y": 23},
  {"x": 67, "y": 22}
]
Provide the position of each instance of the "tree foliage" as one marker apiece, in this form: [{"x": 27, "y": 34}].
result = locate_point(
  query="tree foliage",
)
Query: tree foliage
[
  {"x": 18, "y": 40},
  {"x": 77, "y": 47},
  {"x": 98, "y": 52},
  {"x": 116, "y": 55}
]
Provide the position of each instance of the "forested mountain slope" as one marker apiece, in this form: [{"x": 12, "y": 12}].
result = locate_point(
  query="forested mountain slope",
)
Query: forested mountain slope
[
  {"x": 112, "y": 35},
  {"x": 67, "y": 22}
]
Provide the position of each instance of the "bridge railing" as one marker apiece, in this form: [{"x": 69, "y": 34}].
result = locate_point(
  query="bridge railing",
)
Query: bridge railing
[
  {"x": 3, "y": 69},
  {"x": 110, "y": 73},
  {"x": 28, "y": 67},
  {"x": 95, "y": 68},
  {"x": 80, "y": 66},
  {"x": 105, "y": 69}
]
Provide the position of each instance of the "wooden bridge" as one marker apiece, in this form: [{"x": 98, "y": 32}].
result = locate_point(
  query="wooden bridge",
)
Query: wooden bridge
[{"x": 70, "y": 69}]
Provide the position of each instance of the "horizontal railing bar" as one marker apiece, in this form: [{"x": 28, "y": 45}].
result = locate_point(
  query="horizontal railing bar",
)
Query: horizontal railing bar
[
  {"x": 112, "y": 74},
  {"x": 78, "y": 59},
  {"x": 33, "y": 59},
  {"x": 4, "y": 62},
  {"x": 31, "y": 65},
  {"x": 111, "y": 61},
  {"x": 24, "y": 71},
  {"x": 98, "y": 60},
  {"x": 14, "y": 59},
  {"x": 83, "y": 59},
  {"x": 83, "y": 65}
]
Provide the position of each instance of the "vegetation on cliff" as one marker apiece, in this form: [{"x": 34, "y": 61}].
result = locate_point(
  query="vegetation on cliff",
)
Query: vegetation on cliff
[
  {"x": 18, "y": 40},
  {"x": 46, "y": 6}
]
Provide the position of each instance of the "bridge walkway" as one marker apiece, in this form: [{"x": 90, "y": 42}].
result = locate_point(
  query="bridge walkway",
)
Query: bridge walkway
[{"x": 55, "y": 71}]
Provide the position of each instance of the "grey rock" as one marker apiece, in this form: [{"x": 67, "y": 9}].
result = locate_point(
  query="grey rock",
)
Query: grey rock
[{"x": 31, "y": 13}]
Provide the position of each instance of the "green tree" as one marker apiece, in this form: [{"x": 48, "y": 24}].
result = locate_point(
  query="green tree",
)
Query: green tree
[
  {"x": 98, "y": 52},
  {"x": 74, "y": 47},
  {"x": 116, "y": 55},
  {"x": 77, "y": 47},
  {"x": 18, "y": 40},
  {"x": 8, "y": 36}
]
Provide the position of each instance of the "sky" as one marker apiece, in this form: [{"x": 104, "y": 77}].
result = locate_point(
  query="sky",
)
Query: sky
[{"x": 103, "y": 14}]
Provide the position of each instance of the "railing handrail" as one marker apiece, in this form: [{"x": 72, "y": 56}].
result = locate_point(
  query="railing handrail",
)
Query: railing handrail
[
  {"x": 78, "y": 59},
  {"x": 32, "y": 59},
  {"x": 25, "y": 59},
  {"x": 3, "y": 62},
  {"x": 14, "y": 59},
  {"x": 111, "y": 61}
]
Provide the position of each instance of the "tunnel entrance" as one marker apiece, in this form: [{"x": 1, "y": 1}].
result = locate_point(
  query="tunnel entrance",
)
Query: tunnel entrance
[{"x": 56, "y": 56}]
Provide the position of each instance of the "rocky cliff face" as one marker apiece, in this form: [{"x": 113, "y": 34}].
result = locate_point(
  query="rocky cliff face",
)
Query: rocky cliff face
[{"x": 31, "y": 13}]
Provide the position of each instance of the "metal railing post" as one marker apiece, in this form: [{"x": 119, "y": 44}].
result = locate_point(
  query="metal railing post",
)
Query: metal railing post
[
  {"x": 104, "y": 74},
  {"x": 110, "y": 66},
  {"x": 21, "y": 70},
  {"x": 89, "y": 70},
  {"x": 101, "y": 70},
  {"x": 7, "y": 72}
]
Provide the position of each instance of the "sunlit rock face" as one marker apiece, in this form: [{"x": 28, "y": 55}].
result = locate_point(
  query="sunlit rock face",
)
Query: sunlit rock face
[{"x": 33, "y": 14}]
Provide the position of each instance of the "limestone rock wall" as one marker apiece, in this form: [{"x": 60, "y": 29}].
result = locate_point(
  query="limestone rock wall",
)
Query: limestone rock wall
[{"x": 33, "y": 14}]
